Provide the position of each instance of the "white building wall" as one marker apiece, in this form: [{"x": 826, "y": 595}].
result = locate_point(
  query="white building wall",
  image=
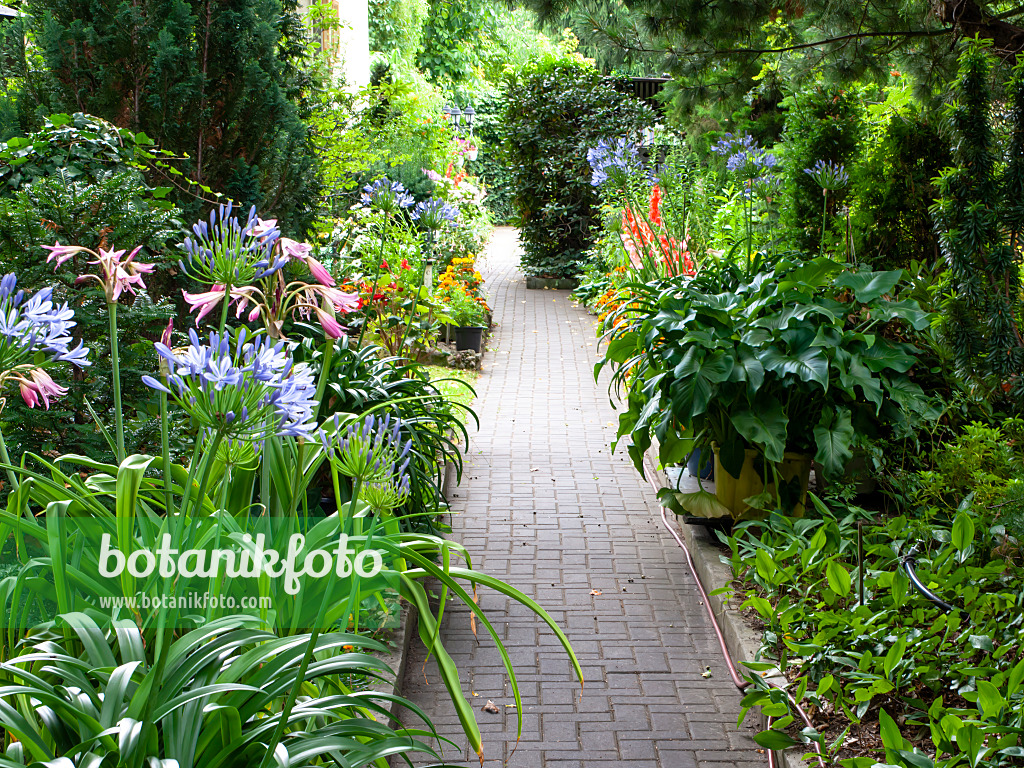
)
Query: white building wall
[
  {"x": 354, "y": 42},
  {"x": 349, "y": 45}
]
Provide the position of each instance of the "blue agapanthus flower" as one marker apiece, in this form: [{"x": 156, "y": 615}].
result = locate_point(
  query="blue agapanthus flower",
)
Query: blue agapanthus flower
[
  {"x": 436, "y": 214},
  {"x": 239, "y": 388},
  {"x": 744, "y": 156},
  {"x": 387, "y": 195},
  {"x": 371, "y": 450},
  {"x": 613, "y": 160},
  {"x": 31, "y": 324},
  {"x": 225, "y": 251},
  {"x": 830, "y": 176}
]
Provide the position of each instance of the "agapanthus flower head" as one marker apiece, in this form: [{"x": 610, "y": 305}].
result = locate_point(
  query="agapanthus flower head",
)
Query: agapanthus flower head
[
  {"x": 35, "y": 334},
  {"x": 829, "y": 176},
  {"x": 436, "y": 214},
  {"x": 370, "y": 450},
  {"x": 116, "y": 275},
  {"x": 241, "y": 388},
  {"x": 387, "y": 196},
  {"x": 744, "y": 156},
  {"x": 386, "y": 495},
  {"x": 226, "y": 251},
  {"x": 613, "y": 161},
  {"x": 766, "y": 187}
]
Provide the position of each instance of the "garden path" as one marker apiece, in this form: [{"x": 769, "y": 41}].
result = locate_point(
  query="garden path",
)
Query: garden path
[{"x": 544, "y": 505}]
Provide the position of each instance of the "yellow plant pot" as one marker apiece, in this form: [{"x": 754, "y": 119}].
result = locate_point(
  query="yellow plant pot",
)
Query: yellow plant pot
[{"x": 731, "y": 491}]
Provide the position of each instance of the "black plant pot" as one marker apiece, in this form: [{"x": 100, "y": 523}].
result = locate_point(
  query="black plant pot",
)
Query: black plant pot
[{"x": 470, "y": 337}]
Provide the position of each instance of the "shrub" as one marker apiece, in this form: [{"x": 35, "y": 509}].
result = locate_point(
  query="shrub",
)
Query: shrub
[
  {"x": 116, "y": 212},
  {"x": 554, "y": 112},
  {"x": 491, "y": 164},
  {"x": 893, "y": 189},
  {"x": 825, "y": 124}
]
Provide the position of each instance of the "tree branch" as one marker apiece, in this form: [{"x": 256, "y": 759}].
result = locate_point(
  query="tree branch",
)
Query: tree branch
[{"x": 839, "y": 39}]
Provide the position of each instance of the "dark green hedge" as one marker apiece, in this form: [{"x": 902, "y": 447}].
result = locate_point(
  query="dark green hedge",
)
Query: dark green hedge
[{"x": 554, "y": 113}]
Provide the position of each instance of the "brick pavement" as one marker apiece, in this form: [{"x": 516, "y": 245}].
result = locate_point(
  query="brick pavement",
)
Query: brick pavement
[{"x": 545, "y": 506}]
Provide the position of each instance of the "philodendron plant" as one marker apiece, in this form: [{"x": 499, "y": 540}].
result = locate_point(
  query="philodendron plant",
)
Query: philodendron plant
[{"x": 800, "y": 358}]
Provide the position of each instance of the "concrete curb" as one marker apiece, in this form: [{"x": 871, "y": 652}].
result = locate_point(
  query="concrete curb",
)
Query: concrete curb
[{"x": 742, "y": 641}]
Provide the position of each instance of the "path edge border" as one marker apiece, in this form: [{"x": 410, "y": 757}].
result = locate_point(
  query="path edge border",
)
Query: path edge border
[{"x": 742, "y": 641}]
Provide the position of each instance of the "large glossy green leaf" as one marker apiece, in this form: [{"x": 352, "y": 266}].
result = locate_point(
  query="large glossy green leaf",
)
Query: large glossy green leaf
[
  {"x": 886, "y": 354},
  {"x": 698, "y": 503},
  {"x": 765, "y": 427},
  {"x": 833, "y": 436},
  {"x": 868, "y": 286},
  {"x": 809, "y": 365}
]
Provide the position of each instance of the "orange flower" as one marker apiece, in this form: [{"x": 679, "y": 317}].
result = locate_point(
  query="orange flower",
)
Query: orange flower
[{"x": 654, "y": 214}]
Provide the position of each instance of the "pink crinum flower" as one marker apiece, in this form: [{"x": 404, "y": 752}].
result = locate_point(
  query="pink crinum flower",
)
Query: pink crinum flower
[
  {"x": 296, "y": 251},
  {"x": 37, "y": 386},
  {"x": 326, "y": 302},
  {"x": 207, "y": 301},
  {"x": 115, "y": 275}
]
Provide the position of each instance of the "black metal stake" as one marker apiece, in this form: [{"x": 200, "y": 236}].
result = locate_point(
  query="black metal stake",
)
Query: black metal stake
[{"x": 860, "y": 559}]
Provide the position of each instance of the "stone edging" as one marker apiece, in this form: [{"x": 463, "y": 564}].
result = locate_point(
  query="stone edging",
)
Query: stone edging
[{"x": 742, "y": 641}]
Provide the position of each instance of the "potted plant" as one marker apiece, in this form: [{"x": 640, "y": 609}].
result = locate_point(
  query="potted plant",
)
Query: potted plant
[
  {"x": 770, "y": 371},
  {"x": 467, "y": 312}
]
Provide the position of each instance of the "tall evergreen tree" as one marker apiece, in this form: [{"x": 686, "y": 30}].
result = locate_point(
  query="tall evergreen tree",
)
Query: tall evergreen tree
[
  {"x": 716, "y": 48},
  {"x": 218, "y": 80}
]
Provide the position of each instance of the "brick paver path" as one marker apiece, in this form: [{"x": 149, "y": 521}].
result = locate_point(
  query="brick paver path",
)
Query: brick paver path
[{"x": 546, "y": 507}]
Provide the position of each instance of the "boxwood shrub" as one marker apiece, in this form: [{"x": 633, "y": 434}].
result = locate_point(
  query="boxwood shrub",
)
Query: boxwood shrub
[{"x": 555, "y": 111}]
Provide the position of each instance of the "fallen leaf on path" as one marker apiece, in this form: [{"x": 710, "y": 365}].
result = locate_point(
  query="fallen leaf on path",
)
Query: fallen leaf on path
[{"x": 490, "y": 707}]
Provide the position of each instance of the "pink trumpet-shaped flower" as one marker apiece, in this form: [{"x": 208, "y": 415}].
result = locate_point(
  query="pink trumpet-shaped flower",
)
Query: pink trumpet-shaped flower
[
  {"x": 294, "y": 250},
  {"x": 39, "y": 387},
  {"x": 332, "y": 328},
  {"x": 319, "y": 271},
  {"x": 118, "y": 275},
  {"x": 61, "y": 253},
  {"x": 207, "y": 301},
  {"x": 344, "y": 302},
  {"x": 263, "y": 226}
]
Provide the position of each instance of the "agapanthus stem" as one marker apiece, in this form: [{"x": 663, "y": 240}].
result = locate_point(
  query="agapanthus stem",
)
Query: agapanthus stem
[
  {"x": 115, "y": 368},
  {"x": 7, "y": 460},
  {"x": 824, "y": 218},
  {"x": 165, "y": 447},
  {"x": 414, "y": 312},
  {"x": 224, "y": 309}
]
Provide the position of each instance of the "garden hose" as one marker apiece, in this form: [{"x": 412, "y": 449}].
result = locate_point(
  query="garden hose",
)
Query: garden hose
[
  {"x": 908, "y": 561},
  {"x": 738, "y": 681}
]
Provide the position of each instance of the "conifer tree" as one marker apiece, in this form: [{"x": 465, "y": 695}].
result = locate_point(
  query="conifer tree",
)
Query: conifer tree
[
  {"x": 979, "y": 217},
  {"x": 218, "y": 80}
]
